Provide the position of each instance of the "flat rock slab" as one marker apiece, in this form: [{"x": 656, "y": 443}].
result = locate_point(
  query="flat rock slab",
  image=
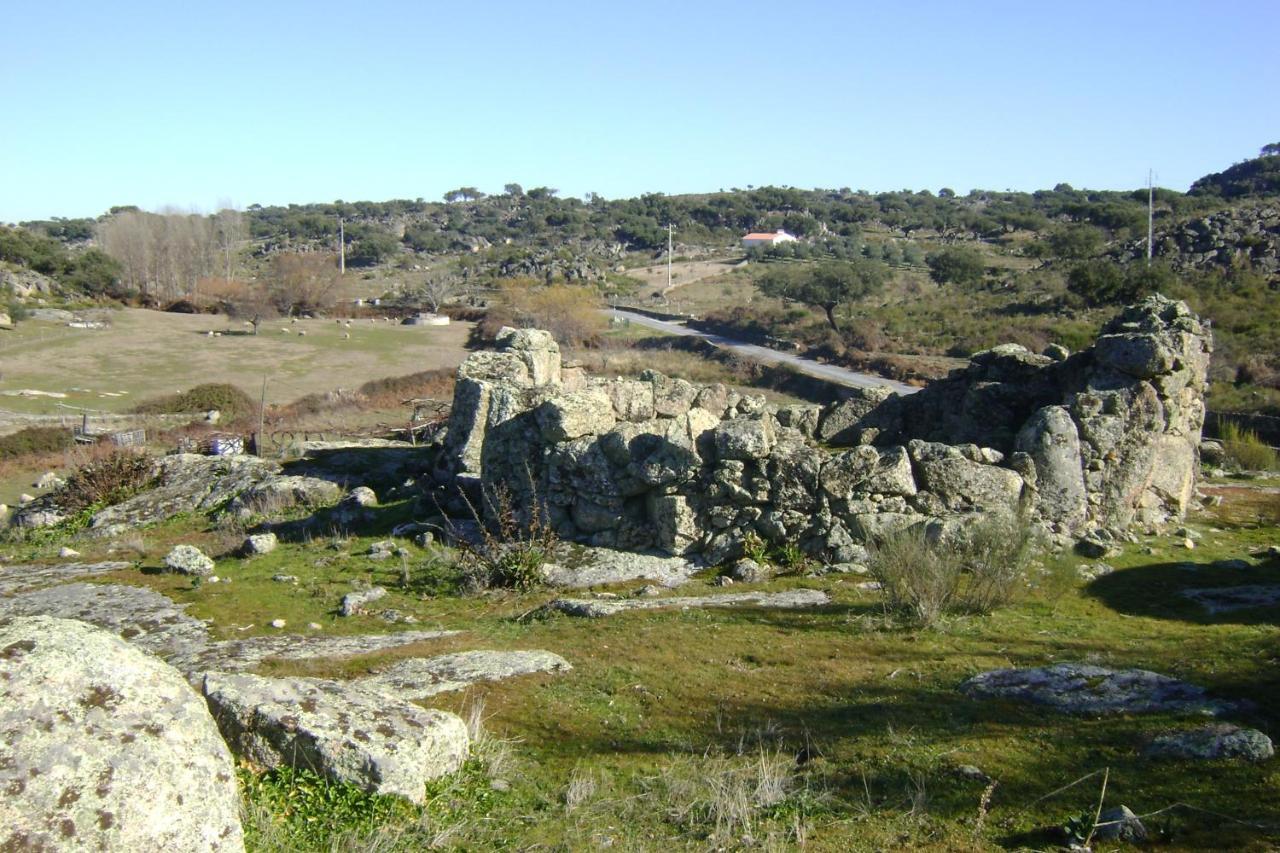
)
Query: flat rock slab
[
  {"x": 16, "y": 579},
  {"x": 246, "y": 654},
  {"x": 599, "y": 566},
  {"x": 383, "y": 744},
  {"x": 143, "y": 617},
  {"x": 1084, "y": 689},
  {"x": 790, "y": 599},
  {"x": 1225, "y": 599},
  {"x": 103, "y": 747},
  {"x": 418, "y": 678},
  {"x": 1216, "y": 741},
  {"x": 159, "y": 626}
]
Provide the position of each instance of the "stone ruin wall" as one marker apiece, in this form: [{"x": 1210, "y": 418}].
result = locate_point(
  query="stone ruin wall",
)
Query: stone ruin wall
[{"x": 1087, "y": 444}]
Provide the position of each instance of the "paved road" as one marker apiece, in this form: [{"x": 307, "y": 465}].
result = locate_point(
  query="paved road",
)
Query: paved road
[{"x": 804, "y": 365}]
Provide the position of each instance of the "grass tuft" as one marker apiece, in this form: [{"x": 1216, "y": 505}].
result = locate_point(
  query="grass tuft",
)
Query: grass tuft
[{"x": 1245, "y": 450}]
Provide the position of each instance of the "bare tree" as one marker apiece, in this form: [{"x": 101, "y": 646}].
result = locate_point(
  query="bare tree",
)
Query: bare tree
[
  {"x": 437, "y": 290},
  {"x": 164, "y": 255},
  {"x": 229, "y": 227},
  {"x": 252, "y": 302},
  {"x": 302, "y": 282}
]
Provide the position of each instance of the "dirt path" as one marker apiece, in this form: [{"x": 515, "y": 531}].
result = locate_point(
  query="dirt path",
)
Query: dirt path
[
  {"x": 654, "y": 276},
  {"x": 807, "y": 366}
]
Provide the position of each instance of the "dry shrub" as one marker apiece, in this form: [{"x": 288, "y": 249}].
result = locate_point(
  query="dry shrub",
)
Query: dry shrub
[
  {"x": 982, "y": 567},
  {"x": 1257, "y": 369},
  {"x": 105, "y": 481},
  {"x": 672, "y": 362},
  {"x": 571, "y": 313},
  {"x": 514, "y": 544},
  {"x": 724, "y": 798},
  {"x": 434, "y": 384},
  {"x": 867, "y": 335}
]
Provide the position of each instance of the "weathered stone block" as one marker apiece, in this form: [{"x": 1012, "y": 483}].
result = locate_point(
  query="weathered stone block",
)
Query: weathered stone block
[{"x": 745, "y": 438}]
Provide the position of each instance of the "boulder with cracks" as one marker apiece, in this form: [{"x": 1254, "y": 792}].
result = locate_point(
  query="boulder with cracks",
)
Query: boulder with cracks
[
  {"x": 378, "y": 742},
  {"x": 103, "y": 747}
]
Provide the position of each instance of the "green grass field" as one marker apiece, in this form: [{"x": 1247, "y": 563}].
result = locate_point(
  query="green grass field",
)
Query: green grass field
[
  {"x": 680, "y": 730},
  {"x": 149, "y": 353}
]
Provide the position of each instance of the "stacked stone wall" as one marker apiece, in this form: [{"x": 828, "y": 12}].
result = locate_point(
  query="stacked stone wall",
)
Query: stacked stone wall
[{"x": 1090, "y": 443}]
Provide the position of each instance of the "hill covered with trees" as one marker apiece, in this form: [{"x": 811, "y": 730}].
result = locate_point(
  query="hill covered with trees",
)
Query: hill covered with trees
[{"x": 901, "y": 273}]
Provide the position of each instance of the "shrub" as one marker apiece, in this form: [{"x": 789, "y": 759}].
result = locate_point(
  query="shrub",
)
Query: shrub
[
  {"x": 1248, "y": 452},
  {"x": 956, "y": 265},
  {"x": 436, "y": 383},
  {"x": 571, "y": 313},
  {"x": 227, "y": 399},
  {"x": 511, "y": 550},
  {"x": 980, "y": 568},
  {"x": 995, "y": 555},
  {"x": 33, "y": 440},
  {"x": 105, "y": 481},
  {"x": 917, "y": 578}
]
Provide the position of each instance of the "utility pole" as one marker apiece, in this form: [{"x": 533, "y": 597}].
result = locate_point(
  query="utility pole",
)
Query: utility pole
[
  {"x": 342, "y": 248},
  {"x": 669, "y": 228},
  {"x": 260, "y": 438},
  {"x": 1151, "y": 198}
]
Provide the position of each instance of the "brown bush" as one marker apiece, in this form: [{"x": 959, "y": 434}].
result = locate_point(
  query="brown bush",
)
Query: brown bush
[
  {"x": 867, "y": 335},
  {"x": 571, "y": 313},
  {"x": 434, "y": 384},
  {"x": 105, "y": 481}
]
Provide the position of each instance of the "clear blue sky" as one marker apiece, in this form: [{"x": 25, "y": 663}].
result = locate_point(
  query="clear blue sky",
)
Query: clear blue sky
[{"x": 164, "y": 103}]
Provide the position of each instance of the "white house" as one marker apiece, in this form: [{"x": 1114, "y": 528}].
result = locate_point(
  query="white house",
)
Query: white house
[{"x": 767, "y": 238}]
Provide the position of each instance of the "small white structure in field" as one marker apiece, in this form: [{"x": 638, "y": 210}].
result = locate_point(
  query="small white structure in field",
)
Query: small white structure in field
[
  {"x": 766, "y": 238},
  {"x": 424, "y": 318}
]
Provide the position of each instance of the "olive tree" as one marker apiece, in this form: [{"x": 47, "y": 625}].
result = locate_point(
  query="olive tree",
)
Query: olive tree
[{"x": 825, "y": 285}]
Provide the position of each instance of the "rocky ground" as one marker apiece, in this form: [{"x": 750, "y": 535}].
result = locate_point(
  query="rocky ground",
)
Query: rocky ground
[{"x": 263, "y": 618}]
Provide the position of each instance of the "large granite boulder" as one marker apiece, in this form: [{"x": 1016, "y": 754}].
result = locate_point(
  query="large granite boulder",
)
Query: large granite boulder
[
  {"x": 865, "y": 416},
  {"x": 104, "y": 747},
  {"x": 570, "y": 416},
  {"x": 279, "y": 493},
  {"x": 745, "y": 438},
  {"x": 188, "y": 560}
]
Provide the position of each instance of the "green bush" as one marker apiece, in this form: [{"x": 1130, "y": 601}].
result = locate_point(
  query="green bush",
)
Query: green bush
[
  {"x": 227, "y": 399},
  {"x": 1247, "y": 451},
  {"x": 980, "y": 568},
  {"x": 33, "y": 440},
  {"x": 512, "y": 550},
  {"x": 956, "y": 265},
  {"x": 17, "y": 311},
  {"x": 301, "y": 810},
  {"x": 105, "y": 481}
]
